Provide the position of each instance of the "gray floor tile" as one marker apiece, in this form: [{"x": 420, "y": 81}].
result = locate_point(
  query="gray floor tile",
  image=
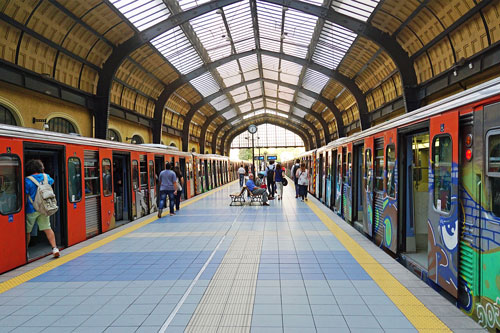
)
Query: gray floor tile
[
  {"x": 298, "y": 321},
  {"x": 365, "y": 322},
  {"x": 129, "y": 320},
  {"x": 270, "y": 309},
  {"x": 355, "y": 310},
  {"x": 267, "y": 321},
  {"x": 41, "y": 321},
  {"x": 330, "y": 321},
  {"x": 296, "y": 309},
  {"x": 394, "y": 322}
]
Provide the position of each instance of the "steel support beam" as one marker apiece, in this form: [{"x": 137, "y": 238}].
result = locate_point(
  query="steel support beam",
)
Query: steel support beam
[{"x": 259, "y": 120}]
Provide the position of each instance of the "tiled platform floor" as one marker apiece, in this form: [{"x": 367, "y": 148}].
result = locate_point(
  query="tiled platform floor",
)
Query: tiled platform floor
[{"x": 215, "y": 268}]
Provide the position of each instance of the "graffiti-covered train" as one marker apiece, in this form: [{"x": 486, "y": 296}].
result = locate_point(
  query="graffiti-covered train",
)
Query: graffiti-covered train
[
  {"x": 426, "y": 188},
  {"x": 99, "y": 185}
]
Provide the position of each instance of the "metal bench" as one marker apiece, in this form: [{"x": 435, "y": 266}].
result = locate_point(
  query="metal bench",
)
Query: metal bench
[
  {"x": 238, "y": 198},
  {"x": 254, "y": 197}
]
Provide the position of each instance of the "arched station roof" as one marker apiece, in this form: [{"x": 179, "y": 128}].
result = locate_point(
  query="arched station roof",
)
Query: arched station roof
[{"x": 329, "y": 67}]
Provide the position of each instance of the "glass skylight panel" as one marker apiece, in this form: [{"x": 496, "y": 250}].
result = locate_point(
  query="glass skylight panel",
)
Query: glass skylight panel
[
  {"x": 220, "y": 102},
  {"x": 251, "y": 75},
  {"x": 360, "y": 9},
  {"x": 230, "y": 73},
  {"x": 248, "y": 115},
  {"x": 271, "y": 103},
  {"x": 258, "y": 104},
  {"x": 269, "y": 62},
  {"x": 142, "y": 13},
  {"x": 205, "y": 84},
  {"x": 315, "y": 81},
  {"x": 239, "y": 19},
  {"x": 298, "y": 31},
  {"x": 234, "y": 122},
  {"x": 177, "y": 49},
  {"x": 212, "y": 34},
  {"x": 229, "y": 114},
  {"x": 271, "y": 89},
  {"x": 286, "y": 95},
  {"x": 188, "y": 4},
  {"x": 249, "y": 63},
  {"x": 245, "y": 107},
  {"x": 334, "y": 42},
  {"x": 254, "y": 92},
  {"x": 279, "y": 114},
  {"x": 298, "y": 112},
  {"x": 258, "y": 112},
  {"x": 305, "y": 100},
  {"x": 283, "y": 107},
  {"x": 269, "y": 18},
  {"x": 239, "y": 94},
  {"x": 314, "y": 2},
  {"x": 270, "y": 74}
]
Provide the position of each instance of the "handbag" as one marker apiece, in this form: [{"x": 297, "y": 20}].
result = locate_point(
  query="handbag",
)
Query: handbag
[{"x": 284, "y": 182}]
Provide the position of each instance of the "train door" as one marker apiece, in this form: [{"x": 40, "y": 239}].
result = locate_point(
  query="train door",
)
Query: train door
[
  {"x": 92, "y": 193},
  {"x": 328, "y": 182},
  {"x": 338, "y": 183},
  {"x": 386, "y": 207},
  {"x": 121, "y": 188},
  {"x": 378, "y": 190},
  {"x": 142, "y": 195},
  {"x": 190, "y": 175},
  {"x": 75, "y": 201},
  {"x": 416, "y": 196},
  {"x": 357, "y": 192},
  {"x": 134, "y": 179},
  {"x": 208, "y": 174},
  {"x": 368, "y": 191},
  {"x": 12, "y": 205},
  {"x": 153, "y": 191},
  {"x": 348, "y": 178},
  {"x": 107, "y": 202},
  {"x": 317, "y": 171},
  {"x": 182, "y": 166},
  {"x": 443, "y": 203},
  {"x": 321, "y": 178},
  {"x": 53, "y": 160},
  {"x": 333, "y": 174}
]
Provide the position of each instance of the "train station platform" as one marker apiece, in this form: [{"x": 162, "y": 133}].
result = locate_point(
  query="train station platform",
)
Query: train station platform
[{"x": 290, "y": 267}]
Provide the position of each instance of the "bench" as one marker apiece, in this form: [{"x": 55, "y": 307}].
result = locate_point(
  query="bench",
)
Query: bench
[
  {"x": 238, "y": 198},
  {"x": 254, "y": 197}
]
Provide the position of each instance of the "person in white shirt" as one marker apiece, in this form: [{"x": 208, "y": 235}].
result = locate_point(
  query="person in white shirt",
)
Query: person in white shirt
[
  {"x": 296, "y": 167},
  {"x": 303, "y": 181},
  {"x": 241, "y": 173}
]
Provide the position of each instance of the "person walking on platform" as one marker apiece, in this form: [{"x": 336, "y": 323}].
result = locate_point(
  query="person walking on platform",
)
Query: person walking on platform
[
  {"x": 37, "y": 195},
  {"x": 241, "y": 173},
  {"x": 296, "y": 167},
  {"x": 168, "y": 187},
  {"x": 278, "y": 179},
  {"x": 180, "y": 186},
  {"x": 256, "y": 190},
  {"x": 303, "y": 181},
  {"x": 271, "y": 184}
]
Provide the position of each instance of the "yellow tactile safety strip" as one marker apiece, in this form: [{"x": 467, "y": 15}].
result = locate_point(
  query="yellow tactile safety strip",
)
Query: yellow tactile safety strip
[
  {"x": 416, "y": 312},
  {"x": 14, "y": 282}
]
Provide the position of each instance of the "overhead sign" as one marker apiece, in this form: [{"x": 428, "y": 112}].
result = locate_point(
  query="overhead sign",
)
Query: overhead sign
[
  {"x": 272, "y": 158},
  {"x": 259, "y": 158}
]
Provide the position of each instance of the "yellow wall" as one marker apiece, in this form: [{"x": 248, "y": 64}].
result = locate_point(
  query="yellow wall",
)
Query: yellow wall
[
  {"x": 128, "y": 129},
  {"x": 167, "y": 139},
  {"x": 27, "y": 104},
  {"x": 193, "y": 145}
]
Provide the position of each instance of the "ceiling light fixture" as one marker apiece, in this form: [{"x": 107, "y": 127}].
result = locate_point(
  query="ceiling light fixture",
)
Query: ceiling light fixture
[{"x": 219, "y": 11}]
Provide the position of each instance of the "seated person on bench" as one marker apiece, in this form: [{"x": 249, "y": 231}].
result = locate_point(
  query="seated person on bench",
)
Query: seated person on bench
[{"x": 255, "y": 190}]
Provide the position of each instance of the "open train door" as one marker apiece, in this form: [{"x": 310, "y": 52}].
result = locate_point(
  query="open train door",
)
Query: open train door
[
  {"x": 107, "y": 197},
  {"x": 153, "y": 192},
  {"x": 13, "y": 235},
  {"x": 443, "y": 204},
  {"x": 368, "y": 186},
  {"x": 134, "y": 179},
  {"x": 348, "y": 184}
]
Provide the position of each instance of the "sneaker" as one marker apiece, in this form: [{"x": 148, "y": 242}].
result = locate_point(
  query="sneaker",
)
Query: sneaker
[
  {"x": 265, "y": 204},
  {"x": 172, "y": 214},
  {"x": 302, "y": 200},
  {"x": 55, "y": 252}
]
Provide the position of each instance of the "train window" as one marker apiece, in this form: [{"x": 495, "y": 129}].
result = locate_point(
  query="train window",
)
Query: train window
[
  {"x": 135, "y": 174},
  {"x": 91, "y": 174},
  {"x": 368, "y": 170},
  {"x": 349, "y": 168},
  {"x": 441, "y": 165},
  {"x": 107, "y": 178},
  {"x": 144, "y": 171},
  {"x": 10, "y": 184},
  {"x": 151, "y": 174},
  {"x": 494, "y": 171},
  {"x": 379, "y": 169},
  {"x": 6, "y": 116},
  {"x": 339, "y": 169},
  {"x": 74, "y": 179},
  {"x": 390, "y": 167}
]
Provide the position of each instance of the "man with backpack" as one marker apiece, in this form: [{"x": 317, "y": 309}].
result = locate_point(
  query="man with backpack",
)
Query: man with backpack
[
  {"x": 41, "y": 202},
  {"x": 296, "y": 167},
  {"x": 271, "y": 183}
]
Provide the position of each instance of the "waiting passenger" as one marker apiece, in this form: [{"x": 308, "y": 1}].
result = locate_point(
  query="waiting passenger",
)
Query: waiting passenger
[
  {"x": 35, "y": 168},
  {"x": 168, "y": 186},
  {"x": 241, "y": 173},
  {"x": 278, "y": 178},
  {"x": 296, "y": 167},
  {"x": 302, "y": 181},
  {"x": 180, "y": 185},
  {"x": 255, "y": 190}
]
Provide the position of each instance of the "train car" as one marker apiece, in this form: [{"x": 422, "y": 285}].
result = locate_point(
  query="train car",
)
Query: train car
[
  {"x": 99, "y": 185},
  {"x": 425, "y": 187}
]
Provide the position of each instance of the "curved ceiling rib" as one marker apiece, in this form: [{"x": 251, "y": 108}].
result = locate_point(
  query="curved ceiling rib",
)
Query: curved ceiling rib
[
  {"x": 231, "y": 122},
  {"x": 174, "y": 21},
  {"x": 342, "y": 79},
  {"x": 259, "y": 120}
]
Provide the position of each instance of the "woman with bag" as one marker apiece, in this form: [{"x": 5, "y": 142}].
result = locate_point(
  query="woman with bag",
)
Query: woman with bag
[
  {"x": 303, "y": 181},
  {"x": 180, "y": 184},
  {"x": 278, "y": 178}
]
